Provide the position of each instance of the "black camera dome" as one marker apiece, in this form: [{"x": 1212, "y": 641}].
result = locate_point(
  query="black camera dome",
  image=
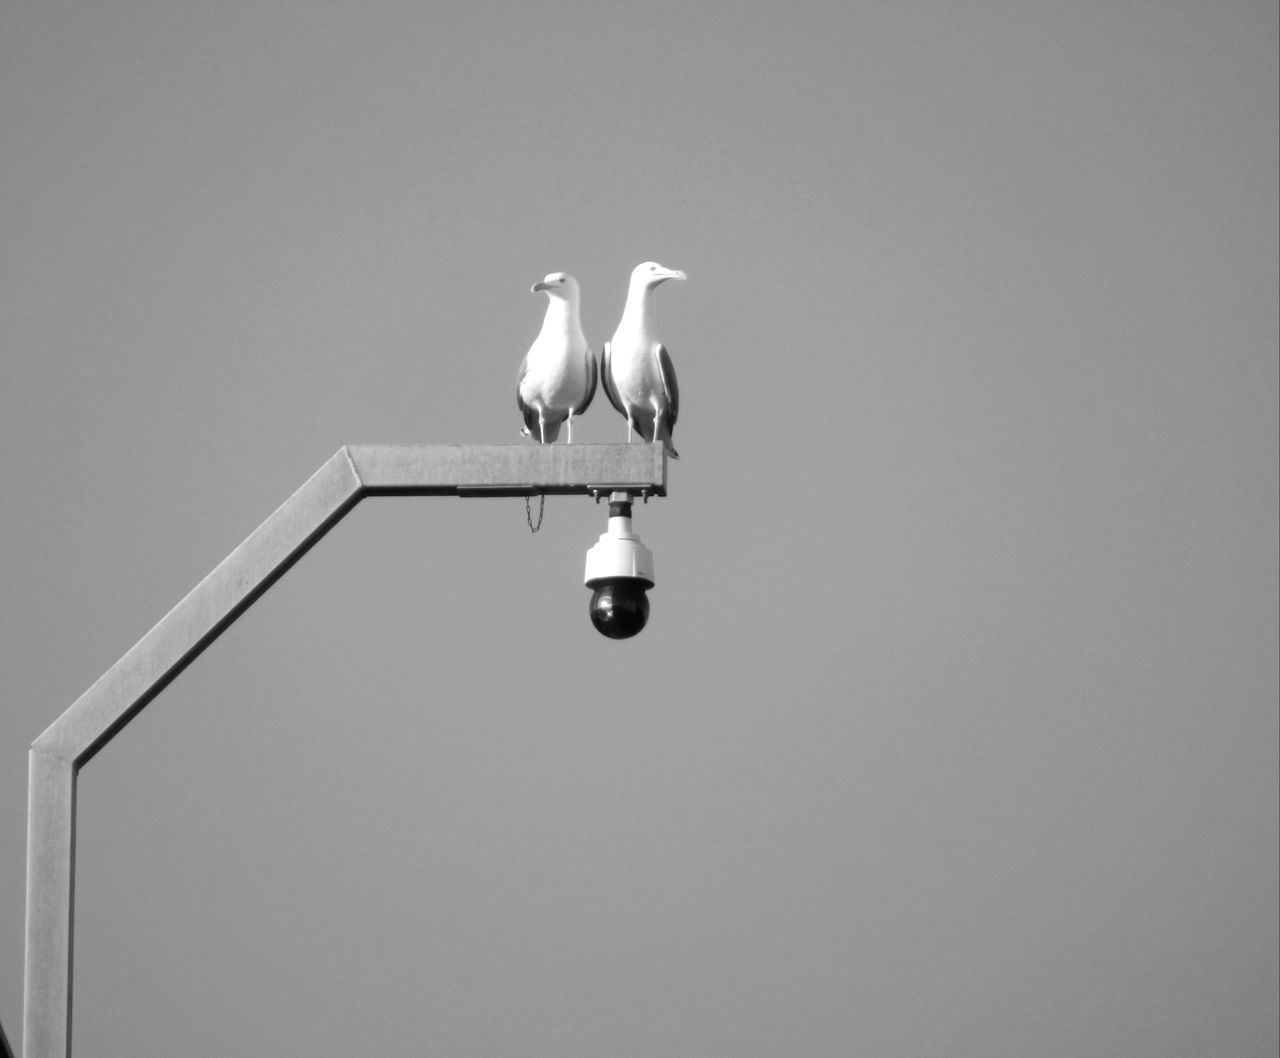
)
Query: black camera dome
[{"x": 619, "y": 607}]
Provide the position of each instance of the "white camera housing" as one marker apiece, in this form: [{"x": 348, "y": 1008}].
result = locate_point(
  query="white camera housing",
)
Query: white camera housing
[{"x": 619, "y": 555}]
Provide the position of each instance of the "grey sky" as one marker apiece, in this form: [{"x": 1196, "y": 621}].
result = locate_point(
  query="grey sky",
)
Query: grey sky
[{"x": 954, "y": 728}]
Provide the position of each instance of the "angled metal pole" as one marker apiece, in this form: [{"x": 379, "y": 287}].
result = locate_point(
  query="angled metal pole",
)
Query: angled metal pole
[{"x": 210, "y": 608}]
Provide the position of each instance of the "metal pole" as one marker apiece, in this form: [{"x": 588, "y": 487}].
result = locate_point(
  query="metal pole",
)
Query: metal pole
[{"x": 104, "y": 710}]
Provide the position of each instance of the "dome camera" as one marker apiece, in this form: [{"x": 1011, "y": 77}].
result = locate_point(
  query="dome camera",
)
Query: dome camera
[{"x": 619, "y": 572}]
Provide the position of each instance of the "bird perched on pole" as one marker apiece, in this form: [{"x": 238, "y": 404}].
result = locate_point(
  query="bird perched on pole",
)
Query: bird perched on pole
[
  {"x": 557, "y": 377},
  {"x": 639, "y": 378}
]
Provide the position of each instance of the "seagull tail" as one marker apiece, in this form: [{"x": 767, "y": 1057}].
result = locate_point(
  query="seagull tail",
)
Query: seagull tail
[
  {"x": 530, "y": 429},
  {"x": 664, "y": 435}
]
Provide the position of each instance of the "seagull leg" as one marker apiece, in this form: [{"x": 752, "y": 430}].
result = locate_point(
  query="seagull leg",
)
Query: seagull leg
[
  {"x": 657, "y": 426},
  {"x": 569, "y": 440},
  {"x": 630, "y": 425},
  {"x": 542, "y": 429}
]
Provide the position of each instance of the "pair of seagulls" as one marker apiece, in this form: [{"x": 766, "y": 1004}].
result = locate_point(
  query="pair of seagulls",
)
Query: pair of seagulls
[{"x": 557, "y": 377}]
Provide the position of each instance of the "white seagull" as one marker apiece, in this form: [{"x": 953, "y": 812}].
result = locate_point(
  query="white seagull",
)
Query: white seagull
[
  {"x": 639, "y": 378},
  {"x": 557, "y": 377}
]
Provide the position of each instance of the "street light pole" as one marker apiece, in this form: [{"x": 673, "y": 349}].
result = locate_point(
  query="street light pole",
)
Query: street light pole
[{"x": 101, "y": 713}]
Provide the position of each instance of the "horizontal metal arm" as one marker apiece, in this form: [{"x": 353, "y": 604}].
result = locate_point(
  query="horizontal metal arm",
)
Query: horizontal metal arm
[{"x": 509, "y": 470}]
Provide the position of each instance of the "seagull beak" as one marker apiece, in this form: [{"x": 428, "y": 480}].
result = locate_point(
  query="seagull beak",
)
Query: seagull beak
[
  {"x": 538, "y": 286},
  {"x": 675, "y": 273}
]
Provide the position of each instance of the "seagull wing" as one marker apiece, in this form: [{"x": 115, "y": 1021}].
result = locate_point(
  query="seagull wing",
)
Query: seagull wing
[
  {"x": 606, "y": 376},
  {"x": 592, "y": 375},
  {"x": 667, "y": 372},
  {"x": 530, "y": 415}
]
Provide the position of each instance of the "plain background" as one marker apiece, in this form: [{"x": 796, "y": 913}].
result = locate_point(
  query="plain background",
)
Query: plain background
[{"x": 954, "y": 729}]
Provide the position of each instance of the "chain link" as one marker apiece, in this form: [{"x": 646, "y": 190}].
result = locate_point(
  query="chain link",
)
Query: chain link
[{"x": 528, "y": 511}]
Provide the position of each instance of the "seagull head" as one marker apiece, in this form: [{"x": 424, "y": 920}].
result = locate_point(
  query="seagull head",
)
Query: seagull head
[
  {"x": 650, "y": 274},
  {"x": 557, "y": 285}
]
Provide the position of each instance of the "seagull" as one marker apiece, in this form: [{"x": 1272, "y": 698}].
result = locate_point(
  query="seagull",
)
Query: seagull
[
  {"x": 557, "y": 377},
  {"x": 639, "y": 378}
]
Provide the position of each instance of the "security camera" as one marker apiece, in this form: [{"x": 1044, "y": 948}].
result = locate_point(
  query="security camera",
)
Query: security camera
[{"x": 619, "y": 572}]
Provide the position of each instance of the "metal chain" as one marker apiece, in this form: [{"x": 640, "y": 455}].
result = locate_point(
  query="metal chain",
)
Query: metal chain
[{"x": 528, "y": 511}]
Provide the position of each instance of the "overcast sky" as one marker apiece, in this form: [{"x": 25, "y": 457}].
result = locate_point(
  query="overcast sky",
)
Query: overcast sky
[{"x": 954, "y": 728}]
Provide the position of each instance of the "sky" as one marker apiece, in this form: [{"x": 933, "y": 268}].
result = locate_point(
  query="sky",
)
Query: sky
[{"x": 953, "y": 731}]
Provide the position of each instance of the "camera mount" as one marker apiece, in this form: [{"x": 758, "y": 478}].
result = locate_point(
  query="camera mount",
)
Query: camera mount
[{"x": 103, "y": 712}]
